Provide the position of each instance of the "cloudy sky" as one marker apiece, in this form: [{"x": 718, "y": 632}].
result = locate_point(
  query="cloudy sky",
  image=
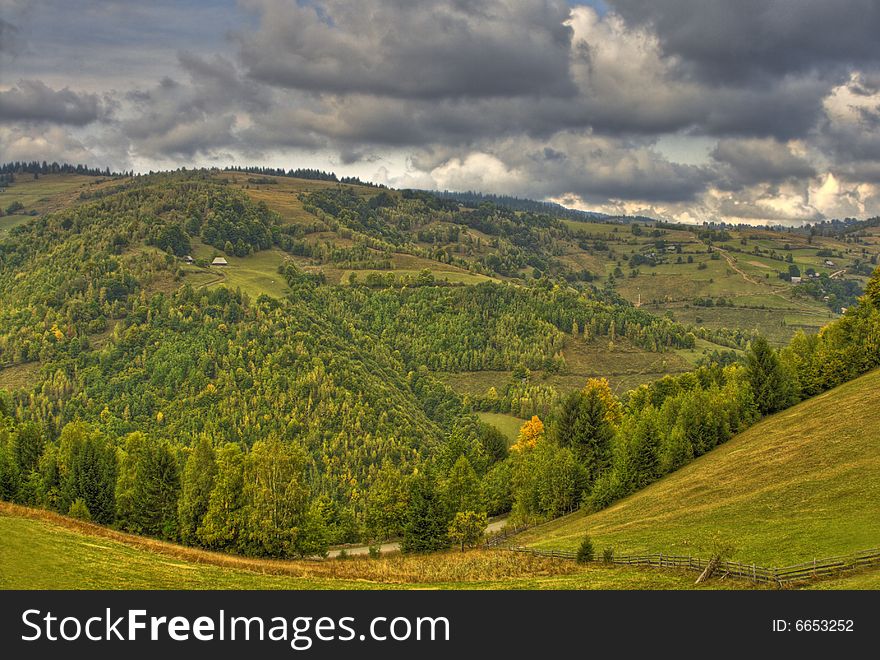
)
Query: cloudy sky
[{"x": 741, "y": 110}]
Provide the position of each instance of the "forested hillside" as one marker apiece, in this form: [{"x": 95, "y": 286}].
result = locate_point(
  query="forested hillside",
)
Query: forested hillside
[
  {"x": 136, "y": 365},
  {"x": 274, "y": 422}
]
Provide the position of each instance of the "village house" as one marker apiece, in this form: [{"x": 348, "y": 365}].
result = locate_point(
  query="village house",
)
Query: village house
[{"x": 219, "y": 261}]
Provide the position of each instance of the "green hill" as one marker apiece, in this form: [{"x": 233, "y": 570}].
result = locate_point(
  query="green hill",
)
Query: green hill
[
  {"x": 41, "y": 550},
  {"x": 801, "y": 484},
  {"x": 350, "y": 336}
]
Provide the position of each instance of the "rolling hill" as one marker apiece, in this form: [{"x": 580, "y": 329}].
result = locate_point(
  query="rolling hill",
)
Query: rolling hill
[
  {"x": 799, "y": 485},
  {"x": 41, "y": 550},
  {"x": 356, "y": 336}
]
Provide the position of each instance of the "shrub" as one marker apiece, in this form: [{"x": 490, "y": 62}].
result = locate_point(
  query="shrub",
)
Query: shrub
[
  {"x": 585, "y": 552},
  {"x": 608, "y": 555},
  {"x": 343, "y": 554},
  {"x": 79, "y": 510},
  {"x": 375, "y": 551}
]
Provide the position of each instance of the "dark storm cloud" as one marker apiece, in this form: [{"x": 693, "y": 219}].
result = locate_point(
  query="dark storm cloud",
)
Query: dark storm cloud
[
  {"x": 618, "y": 173},
  {"x": 724, "y": 40},
  {"x": 412, "y": 49},
  {"x": 32, "y": 101},
  {"x": 10, "y": 38},
  {"x": 174, "y": 119},
  {"x": 597, "y": 169},
  {"x": 749, "y": 162},
  {"x": 532, "y": 97}
]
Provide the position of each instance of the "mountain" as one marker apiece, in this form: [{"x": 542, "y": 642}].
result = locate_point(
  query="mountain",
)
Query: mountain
[{"x": 270, "y": 364}]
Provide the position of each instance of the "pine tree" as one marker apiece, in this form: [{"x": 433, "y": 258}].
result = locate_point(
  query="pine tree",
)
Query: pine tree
[
  {"x": 426, "y": 525},
  {"x": 79, "y": 510},
  {"x": 591, "y": 441},
  {"x": 87, "y": 469},
  {"x": 8, "y": 467},
  {"x": 772, "y": 386},
  {"x": 28, "y": 446},
  {"x": 565, "y": 424},
  {"x": 148, "y": 487},
  {"x": 646, "y": 445}
]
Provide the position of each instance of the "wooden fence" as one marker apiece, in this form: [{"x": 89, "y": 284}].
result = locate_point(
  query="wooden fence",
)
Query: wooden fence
[
  {"x": 498, "y": 538},
  {"x": 777, "y": 576}
]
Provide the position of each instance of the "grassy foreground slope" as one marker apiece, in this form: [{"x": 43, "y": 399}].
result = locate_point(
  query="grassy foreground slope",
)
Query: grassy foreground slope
[
  {"x": 41, "y": 550},
  {"x": 802, "y": 484}
]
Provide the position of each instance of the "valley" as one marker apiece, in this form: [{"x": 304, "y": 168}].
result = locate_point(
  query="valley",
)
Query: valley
[{"x": 249, "y": 365}]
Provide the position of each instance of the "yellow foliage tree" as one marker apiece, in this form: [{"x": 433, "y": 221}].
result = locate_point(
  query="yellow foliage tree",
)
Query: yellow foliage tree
[
  {"x": 614, "y": 411},
  {"x": 529, "y": 435}
]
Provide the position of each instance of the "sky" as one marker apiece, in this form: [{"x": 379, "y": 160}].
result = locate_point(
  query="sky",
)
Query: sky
[{"x": 759, "y": 111}]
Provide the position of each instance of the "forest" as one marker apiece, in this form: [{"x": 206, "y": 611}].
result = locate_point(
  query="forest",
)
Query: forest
[{"x": 280, "y": 426}]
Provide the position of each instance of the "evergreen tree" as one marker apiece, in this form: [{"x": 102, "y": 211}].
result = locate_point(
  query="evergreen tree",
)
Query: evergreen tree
[
  {"x": 196, "y": 485},
  {"x": 49, "y": 487},
  {"x": 645, "y": 446},
  {"x": 28, "y": 445},
  {"x": 496, "y": 488},
  {"x": 148, "y": 487},
  {"x": 772, "y": 386},
  {"x": 8, "y": 467},
  {"x": 585, "y": 552},
  {"x": 565, "y": 425},
  {"x": 426, "y": 525},
  {"x": 79, "y": 510},
  {"x": 87, "y": 469},
  {"x": 494, "y": 442},
  {"x": 593, "y": 433}
]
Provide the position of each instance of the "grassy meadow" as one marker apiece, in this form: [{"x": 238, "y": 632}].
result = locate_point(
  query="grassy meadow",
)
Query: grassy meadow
[
  {"x": 507, "y": 424},
  {"x": 49, "y": 192},
  {"x": 799, "y": 485},
  {"x": 41, "y": 550}
]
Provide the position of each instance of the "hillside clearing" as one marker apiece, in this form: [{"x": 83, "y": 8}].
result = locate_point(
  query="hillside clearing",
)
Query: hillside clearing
[{"x": 801, "y": 484}]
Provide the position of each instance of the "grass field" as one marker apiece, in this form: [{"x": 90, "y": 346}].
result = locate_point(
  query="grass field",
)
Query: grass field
[
  {"x": 255, "y": 274},
  {"x": 18, "y": 376},
  {"x": 48, "y": 193},
  {"x": 736, "y": 274},
  {"x": 624, "y": 364},
  {"x": 454, "y": 276},
  {"x": 802, "y": 484},
  {"x": 39, "y": 550},
  {"x": 507, "y": 424}
]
